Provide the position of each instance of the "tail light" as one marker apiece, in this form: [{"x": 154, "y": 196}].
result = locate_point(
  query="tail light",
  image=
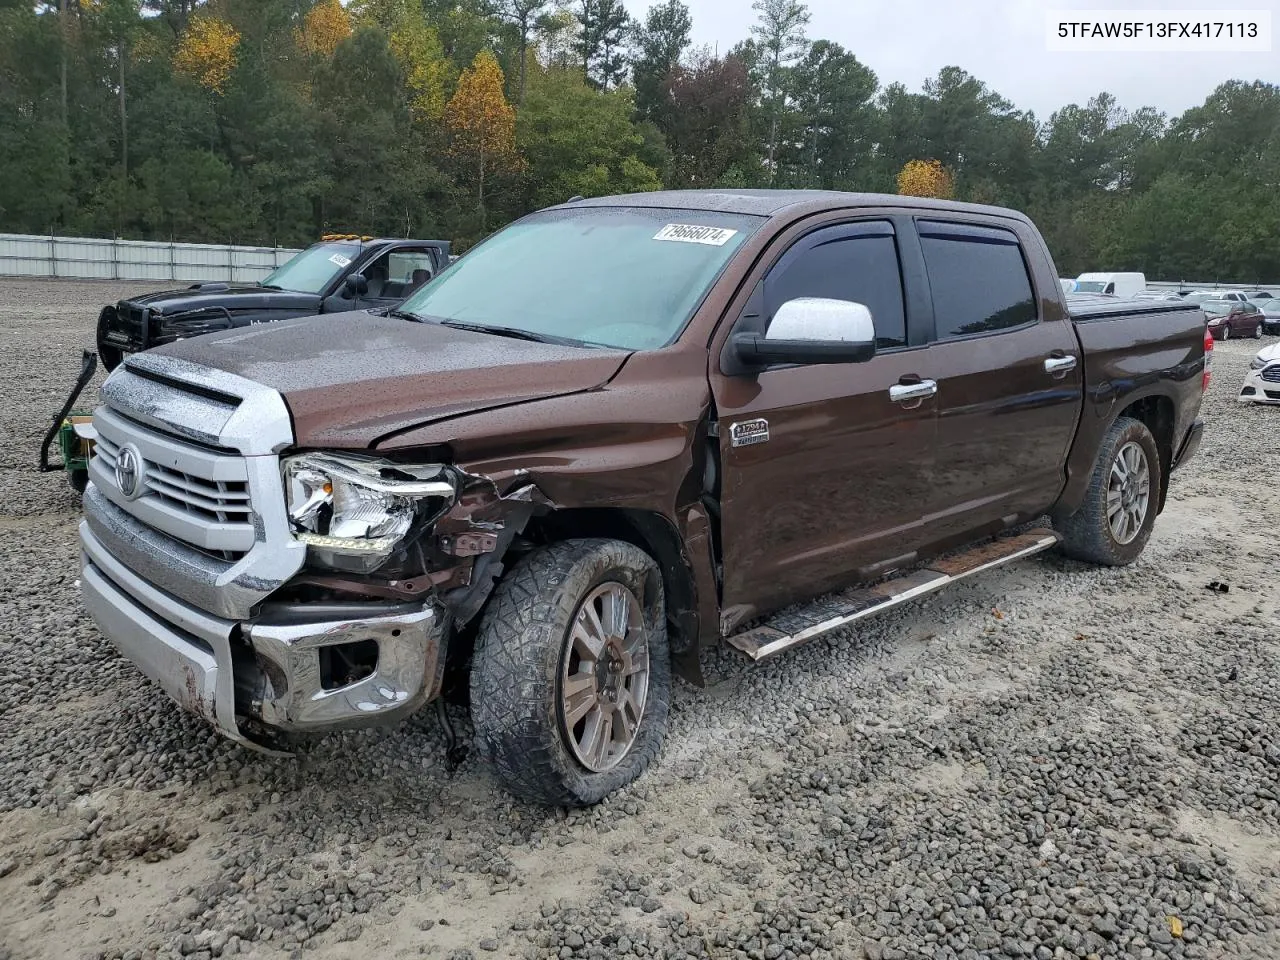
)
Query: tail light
[{"x": 1208, "y": 359}]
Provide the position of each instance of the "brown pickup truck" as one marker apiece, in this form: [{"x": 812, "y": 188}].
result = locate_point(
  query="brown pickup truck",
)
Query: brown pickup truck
[{"x": 619, "y": 430}]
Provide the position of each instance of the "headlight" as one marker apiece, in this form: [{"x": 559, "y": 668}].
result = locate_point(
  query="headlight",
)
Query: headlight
[
  {"x": 352, "y": 511},
  {"x": 1257, "y": 363},
  {"x": 1214, "y": 321}
]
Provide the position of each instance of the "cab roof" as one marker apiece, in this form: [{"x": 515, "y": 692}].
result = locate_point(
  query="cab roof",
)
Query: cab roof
[{"x": 769, "y": 203}]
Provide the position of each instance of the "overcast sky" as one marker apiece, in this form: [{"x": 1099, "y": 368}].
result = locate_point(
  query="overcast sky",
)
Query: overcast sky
[{"x": 1002, "y": 42}]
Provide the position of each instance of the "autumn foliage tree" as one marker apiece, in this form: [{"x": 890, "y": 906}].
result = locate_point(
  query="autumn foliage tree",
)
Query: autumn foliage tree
[
  {"x": 207, "y": 52},
  {"x": 482, "y": 125},
  {"x": 926, "y": 178},
  {"x": 325, "y": 26}
]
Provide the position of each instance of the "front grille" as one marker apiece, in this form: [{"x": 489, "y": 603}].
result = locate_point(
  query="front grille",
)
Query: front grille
[
  {"x": 202, "y": 514},
  {"x": 192, "y": 493},
  {"x": 1272, "y": 394},
  {"x": 1272, "y": 373},
  {"x": 212, "y": 499}
]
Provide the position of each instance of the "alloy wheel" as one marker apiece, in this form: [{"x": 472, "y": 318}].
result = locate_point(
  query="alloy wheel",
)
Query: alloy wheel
[
  {"x": 604, "y": 677},
  {"x": 1128, "y": 492}
]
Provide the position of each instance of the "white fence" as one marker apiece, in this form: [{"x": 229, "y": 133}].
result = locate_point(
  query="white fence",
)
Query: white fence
[{"x": 95, "y": 259}]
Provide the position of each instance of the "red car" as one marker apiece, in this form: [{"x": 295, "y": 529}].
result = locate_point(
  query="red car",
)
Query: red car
[{"x": 1233, "y": 318}]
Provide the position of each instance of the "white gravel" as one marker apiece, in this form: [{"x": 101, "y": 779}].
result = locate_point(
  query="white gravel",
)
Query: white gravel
[{"x": 1050, "y": 761}]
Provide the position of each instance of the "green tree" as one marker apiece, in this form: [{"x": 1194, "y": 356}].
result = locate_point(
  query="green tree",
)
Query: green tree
[
  {"x": 779, "y": 33},
  {"x": 524, "y": 15},
  {"x": 660, "y": 43},
  {"x": 834, "y": 96},
  {"x": 604, "y": 26},
  {"x": 578, "y": 141}
]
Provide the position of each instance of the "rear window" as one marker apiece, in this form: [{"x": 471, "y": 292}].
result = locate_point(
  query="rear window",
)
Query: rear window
[{"x": 978, "y": 279}]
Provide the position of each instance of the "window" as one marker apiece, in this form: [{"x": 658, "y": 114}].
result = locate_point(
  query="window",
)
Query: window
[
  {"x": 978, "y": 279},
  {"x": 312, "y": 270},
  {"x": 857, "y": 262},
  {"x": 407, "y": 270},
  {"x": 402, "y": 265}
]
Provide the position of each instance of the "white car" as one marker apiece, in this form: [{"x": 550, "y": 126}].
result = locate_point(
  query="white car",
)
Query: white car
[{"x": 1262, "y": 382}]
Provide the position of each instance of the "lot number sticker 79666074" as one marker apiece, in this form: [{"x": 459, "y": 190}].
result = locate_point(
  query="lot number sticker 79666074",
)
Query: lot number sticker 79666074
[{"x": 690, "y": 233}]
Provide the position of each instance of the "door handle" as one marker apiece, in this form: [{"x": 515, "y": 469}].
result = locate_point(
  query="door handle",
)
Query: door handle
[
  {"x": 1059, "y": 365},
  {"x": 903, "y": 392}
]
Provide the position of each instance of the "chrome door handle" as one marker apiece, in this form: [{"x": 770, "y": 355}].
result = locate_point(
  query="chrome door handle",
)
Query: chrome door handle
[
  {"x": 1057, "y": 365},
  {"x": 901, "y": 392}
]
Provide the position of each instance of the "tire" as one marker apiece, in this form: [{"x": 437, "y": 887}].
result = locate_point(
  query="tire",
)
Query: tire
[
  {"x": 1226, "y": 332},
  {"x": 1089, "y": 534},
  {"x": 530, "y": 644},
  {"x": 79, "y": 479},
  {"x": 1257, "y": 332}
]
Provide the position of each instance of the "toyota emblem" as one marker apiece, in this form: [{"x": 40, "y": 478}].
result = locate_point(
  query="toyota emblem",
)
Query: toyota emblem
[{"x": 130, "y": 472}]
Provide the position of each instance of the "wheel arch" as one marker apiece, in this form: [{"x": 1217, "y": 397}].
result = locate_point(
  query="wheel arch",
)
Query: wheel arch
[
  {"x": 1158, "y": 414},
  {"x": 657, "y": 536}
]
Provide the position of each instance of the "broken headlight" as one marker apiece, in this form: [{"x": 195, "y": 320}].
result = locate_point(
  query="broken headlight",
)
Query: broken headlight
[{"x": 353, "y": 511}]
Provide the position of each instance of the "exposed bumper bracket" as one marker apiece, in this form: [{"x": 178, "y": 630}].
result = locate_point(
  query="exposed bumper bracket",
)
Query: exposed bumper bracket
[{"x": 406, "y": 675}]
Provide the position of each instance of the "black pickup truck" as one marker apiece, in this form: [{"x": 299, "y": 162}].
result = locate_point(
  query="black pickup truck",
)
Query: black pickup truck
[{"x": 340, "y": 273}]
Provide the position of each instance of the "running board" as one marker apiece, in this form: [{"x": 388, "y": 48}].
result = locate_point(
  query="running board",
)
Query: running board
[{"x": 800, "y": 625}]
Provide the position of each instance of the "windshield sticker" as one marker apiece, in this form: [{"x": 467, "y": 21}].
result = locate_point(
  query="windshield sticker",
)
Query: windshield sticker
[
  {"x": 340, "y": 260},
  {"x": 687, "y": 233}
]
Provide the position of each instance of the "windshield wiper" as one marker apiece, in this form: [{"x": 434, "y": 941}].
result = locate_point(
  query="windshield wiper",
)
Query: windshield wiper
[
  {"x": 406, "y": 315},
  {"x": 270, "y": 286},
  {"x": 514, "y": 333}
]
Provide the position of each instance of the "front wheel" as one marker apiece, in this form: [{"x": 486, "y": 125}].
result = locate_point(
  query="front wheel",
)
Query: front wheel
[
  {"x": 1113, "y": 524},
  {"x": 1257, "y": 332},
  {"x": 1226, "y": 332},
  {"x": 571, "y": 677}
]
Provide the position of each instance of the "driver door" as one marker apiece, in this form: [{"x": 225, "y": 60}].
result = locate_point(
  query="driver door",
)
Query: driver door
[{"x": 825, "y": 468}]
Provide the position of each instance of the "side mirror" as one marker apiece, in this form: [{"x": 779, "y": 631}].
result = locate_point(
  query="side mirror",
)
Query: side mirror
[
  {"x": 811, "y": 330},
  {"x": 355, "y": 286}
]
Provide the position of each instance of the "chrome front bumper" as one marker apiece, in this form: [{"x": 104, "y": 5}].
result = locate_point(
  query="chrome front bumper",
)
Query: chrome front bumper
[{"x": 267, "y": 669}]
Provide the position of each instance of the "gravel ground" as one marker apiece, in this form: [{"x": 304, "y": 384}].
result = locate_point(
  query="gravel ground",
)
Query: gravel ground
[{"x": 1049, "y": 761}]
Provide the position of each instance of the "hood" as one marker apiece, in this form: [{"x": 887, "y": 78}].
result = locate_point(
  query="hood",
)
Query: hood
[
  {"x": 233, "y": 296},
  {"x": 350, "y": 379},
  {"x": 1268, "y": 354}
]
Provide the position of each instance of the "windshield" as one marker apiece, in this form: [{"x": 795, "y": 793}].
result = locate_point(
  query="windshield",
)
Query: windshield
[
  {"x": 1198, "y": 297},
  {"x": 1216, "y": 306},
  {"x": 312, "y": 270},
  {"x": 623, "y": 277}
]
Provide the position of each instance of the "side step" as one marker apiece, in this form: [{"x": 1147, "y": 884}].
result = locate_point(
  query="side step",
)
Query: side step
[{"x": 801, "y": 624}]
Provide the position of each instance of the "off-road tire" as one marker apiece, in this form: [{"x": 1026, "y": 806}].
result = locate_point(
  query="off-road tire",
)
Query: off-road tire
[
  {"x": 515, "y": 673},
  {"x": 1086, "y": 534}
]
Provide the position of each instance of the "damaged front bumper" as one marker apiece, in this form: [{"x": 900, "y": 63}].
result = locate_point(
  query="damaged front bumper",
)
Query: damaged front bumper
[{"x": 275, "y": 672}]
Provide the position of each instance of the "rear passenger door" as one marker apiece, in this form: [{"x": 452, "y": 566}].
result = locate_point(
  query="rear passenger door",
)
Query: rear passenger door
[{"x": 1009, "y": 381}]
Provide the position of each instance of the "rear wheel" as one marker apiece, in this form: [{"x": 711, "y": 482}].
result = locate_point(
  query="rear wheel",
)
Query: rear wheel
[
  {"x": 571, "y": 677},
  {"x": 1113, "y": 524}
]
